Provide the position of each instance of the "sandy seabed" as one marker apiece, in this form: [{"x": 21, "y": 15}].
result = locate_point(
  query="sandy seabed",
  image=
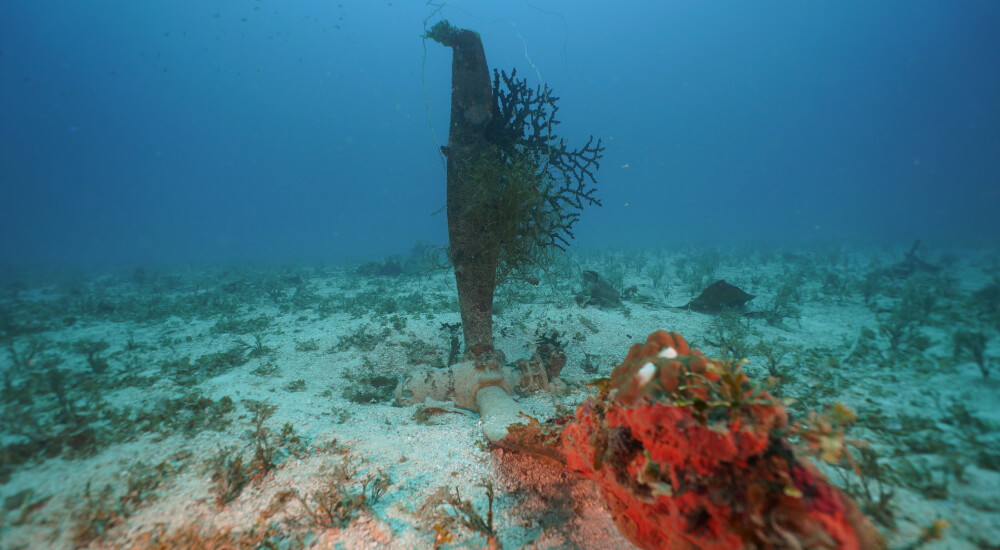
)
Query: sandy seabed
[{"x": 117, "y": 432}]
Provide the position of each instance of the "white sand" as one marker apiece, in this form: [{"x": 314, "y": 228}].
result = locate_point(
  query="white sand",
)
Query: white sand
[{"x": 537, "y": 505}]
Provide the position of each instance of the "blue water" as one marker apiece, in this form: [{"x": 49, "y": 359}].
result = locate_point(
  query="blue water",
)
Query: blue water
[{"x": 163, "y": 131}]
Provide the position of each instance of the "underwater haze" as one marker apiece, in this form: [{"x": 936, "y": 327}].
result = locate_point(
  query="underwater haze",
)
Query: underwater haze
[
  {"x": 236, "y": 311},
  {"x": 162, "y": 131}
]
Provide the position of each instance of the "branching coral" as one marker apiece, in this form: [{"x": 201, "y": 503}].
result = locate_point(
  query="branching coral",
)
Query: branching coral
[
  {"x": 523, "y": 130},
  {"x": 514, "y": 188}
]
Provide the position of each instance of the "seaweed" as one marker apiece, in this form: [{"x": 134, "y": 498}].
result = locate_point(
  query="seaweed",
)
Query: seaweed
[
  {"x": 242, "y": 325},
  {"x": 22, "y": 505},
  {"x": 311, "y": 344},
  {"x": 864, "y": 349},
  {"x": 108, "y": 508},
  {"x": 419, "y": 352},
  {"x": 988, "y": 456},
  {"x": 374, "y": 486},
  {"x": 551, "y": 350},
  {"x": 656, "y": 270},
  {"x": 918, "y": 474},
  {"x": 98, "y": 514},
  {"x": 269, "y": 535},
  {"x": 872, "y": 285},
  {"x": 869, "y": 486},
  {"x": 343, "y": 494},
  {"x": 971, "y": 346},
  {"x": 74, "y": 427},
  {"x": 932, "y": 532},
  {"x": 22, "y": 357},
  {"x": 99, "y": 365},
  {"x": 390, "y": 267},
  {"x": 229, "y": 475},
  {"x": 232, "y": 472},
  {"x": 446, "y": 509},
  {"x": 901, "y": 328},
  {"x": 986, "y": 302},
  {"x": 730, "y": 335},
  {"x": 188, "y": 414},
  {"x": 773, "y": 354},
  {"x": 274, "y": 290},
  {"x": 425, "y": 414},
  {"x": 835, "y": 285},
  {"x": 694, "y": 272},
  {"x": 363, "y": 338},
  {"x": 782, "y": 305},
  {"x": 369, "y": 386},
  {"x": 256, "y": 346},
  {"x": 454, "y": 342},
  {"x": 267, "y": 369},
  {"x": 614, "y": 273},
  {"x": 59, "y": 385},
  {"x": 265, "y": 456},
  {"x": 185, "y": 373}
]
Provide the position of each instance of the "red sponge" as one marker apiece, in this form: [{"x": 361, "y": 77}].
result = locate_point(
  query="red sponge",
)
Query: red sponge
[{"x": 689, "y": 454}]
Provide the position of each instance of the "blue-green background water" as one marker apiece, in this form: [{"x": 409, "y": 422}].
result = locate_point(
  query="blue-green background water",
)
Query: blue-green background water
[{"x": 161, "y": 131}]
